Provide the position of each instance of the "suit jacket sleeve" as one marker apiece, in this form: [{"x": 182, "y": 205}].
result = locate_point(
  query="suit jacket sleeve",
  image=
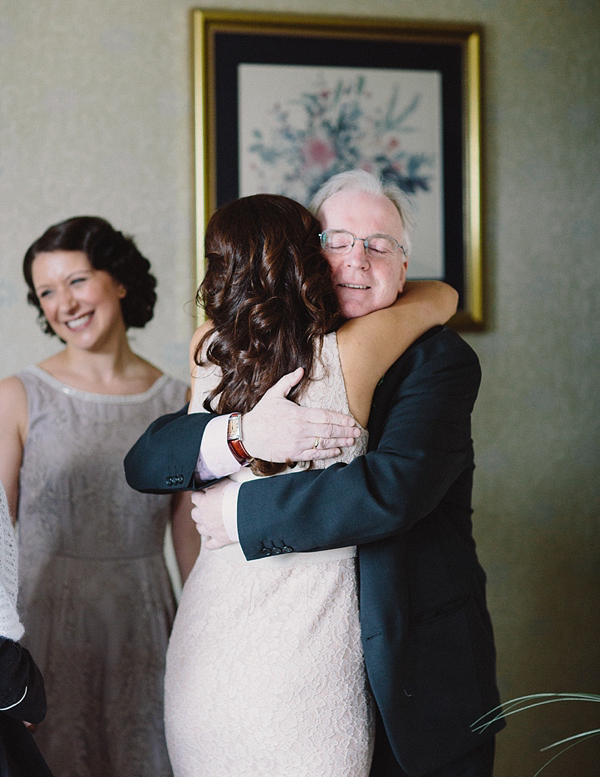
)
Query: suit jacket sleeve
[
  {"x": 163, "y": 460},
  {"x": 22, "y": 694},
  {"x": 420, "y": 442}
]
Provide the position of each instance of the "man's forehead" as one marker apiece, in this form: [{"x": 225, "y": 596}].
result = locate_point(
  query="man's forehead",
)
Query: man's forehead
[{"x": 359, "y": 211}]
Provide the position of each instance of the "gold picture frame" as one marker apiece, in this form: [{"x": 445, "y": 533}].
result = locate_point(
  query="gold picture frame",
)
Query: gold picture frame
[{"x": 262, "y": 83}]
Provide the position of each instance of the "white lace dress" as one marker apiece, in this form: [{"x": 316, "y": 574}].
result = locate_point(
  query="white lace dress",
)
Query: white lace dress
[{"x": 265, "y": 673}]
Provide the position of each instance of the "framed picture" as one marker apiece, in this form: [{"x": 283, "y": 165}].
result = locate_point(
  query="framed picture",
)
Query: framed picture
[{"x": 283, "y": 102}]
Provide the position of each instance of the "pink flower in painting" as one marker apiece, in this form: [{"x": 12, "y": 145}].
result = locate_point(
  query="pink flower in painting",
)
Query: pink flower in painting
[
  {"x": 318, "y": 152},
  {"x": 326, "y": 130},
  {"x": 391, "y": 143}
]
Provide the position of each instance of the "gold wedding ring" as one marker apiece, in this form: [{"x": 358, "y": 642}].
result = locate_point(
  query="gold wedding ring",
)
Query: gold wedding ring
[{"x": 317, "y": 441}]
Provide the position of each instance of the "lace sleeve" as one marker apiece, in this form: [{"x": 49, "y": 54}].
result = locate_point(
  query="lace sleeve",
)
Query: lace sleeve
[{"x": 10, "y": 625}]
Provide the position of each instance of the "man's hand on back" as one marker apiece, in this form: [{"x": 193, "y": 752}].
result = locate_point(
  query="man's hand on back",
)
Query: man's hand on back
[
  {"x": 207, "y": 514},
  {"x": 277, "y": 429}
]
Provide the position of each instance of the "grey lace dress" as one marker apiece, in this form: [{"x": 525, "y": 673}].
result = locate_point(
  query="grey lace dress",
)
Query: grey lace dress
[{"x": 94, "y": 591}]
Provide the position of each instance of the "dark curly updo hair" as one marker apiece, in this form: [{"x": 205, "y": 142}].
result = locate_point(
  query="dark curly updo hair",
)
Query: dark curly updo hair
[
  {"x": 269, "y": 293},
  {"x": 107, "y": 249}
]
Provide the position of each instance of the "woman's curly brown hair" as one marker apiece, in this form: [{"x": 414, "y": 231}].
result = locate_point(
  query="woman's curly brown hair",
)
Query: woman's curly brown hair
[{"x": 269, "y": 293}]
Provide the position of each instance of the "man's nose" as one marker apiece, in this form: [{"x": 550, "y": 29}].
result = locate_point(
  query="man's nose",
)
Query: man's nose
[{"x": 357, "y": 257}]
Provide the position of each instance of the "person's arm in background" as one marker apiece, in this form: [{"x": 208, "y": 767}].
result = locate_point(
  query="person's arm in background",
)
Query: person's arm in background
[{"x": 186, "y": 540}]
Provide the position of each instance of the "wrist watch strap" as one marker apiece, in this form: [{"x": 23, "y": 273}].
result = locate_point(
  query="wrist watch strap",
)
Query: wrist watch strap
[{"x": 234, "y": 439}]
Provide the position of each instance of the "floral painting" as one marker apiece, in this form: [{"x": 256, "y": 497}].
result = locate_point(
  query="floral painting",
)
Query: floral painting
[{"x": 299, "y": 125}]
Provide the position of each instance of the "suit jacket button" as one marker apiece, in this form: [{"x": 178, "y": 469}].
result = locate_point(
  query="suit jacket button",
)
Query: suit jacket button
[
  {"x": 276, "y": 551},
  {"x": 180, "y": 479},
  {"x": 169, "y": 480},
  {"x": 265, "y": 552},
  {"x": 287, "y": 549}
]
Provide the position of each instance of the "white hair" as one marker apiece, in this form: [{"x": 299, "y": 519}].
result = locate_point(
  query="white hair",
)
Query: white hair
[{"x": 361, "y": 181}]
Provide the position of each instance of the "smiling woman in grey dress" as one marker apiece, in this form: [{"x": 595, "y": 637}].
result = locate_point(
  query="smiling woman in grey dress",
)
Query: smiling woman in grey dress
[{"x": 95, "y": 595}]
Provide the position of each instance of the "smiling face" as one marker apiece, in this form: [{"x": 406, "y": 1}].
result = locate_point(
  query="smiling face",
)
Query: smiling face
[
  {"x": 364, "y": 283},
  {"x": 81, "y": 304}
]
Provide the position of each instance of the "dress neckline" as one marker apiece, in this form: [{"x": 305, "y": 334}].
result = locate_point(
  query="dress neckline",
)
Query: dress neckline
[{"x": 90, "y": 396}]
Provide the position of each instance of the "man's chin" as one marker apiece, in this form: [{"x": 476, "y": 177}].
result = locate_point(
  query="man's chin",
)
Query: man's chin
[
  {"x": 355, "y": 303},
  {"x": 356, "y": 310}
]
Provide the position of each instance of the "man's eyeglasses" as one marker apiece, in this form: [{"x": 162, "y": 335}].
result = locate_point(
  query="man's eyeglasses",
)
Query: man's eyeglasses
[{"x": 339, "y": 241}]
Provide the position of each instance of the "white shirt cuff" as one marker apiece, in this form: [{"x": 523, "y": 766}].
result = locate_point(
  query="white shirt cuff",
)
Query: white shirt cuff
[
  {"x": 215, "y": 460},
  {"x": 229, "y": 508}
]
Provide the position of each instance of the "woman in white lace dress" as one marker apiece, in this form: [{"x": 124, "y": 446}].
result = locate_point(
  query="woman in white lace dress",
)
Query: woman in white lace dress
[
  {"x": 22, "y": 696},
  {"x": 265, "y": 671},
  {"x": 95, "y": 595}
]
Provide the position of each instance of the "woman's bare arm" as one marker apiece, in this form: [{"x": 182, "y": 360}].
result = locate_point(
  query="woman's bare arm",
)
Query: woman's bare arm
[
  {"x": 186, "y": 540},
  {"x": 196, "y": 337},
  {"x": 370, "y": 344}
]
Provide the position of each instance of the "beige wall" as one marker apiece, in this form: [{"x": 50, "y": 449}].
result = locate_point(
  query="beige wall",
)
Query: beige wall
[{"x": 95, "y": 118}]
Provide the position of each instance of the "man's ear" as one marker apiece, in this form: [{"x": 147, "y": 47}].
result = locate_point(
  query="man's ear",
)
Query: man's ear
[{"x": 403, "y": 276}]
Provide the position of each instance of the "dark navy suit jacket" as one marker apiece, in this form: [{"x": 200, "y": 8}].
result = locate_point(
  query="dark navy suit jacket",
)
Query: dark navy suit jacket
[
  {"x": 22, "y": 697},
  {"x": 426, "y": 632}
]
